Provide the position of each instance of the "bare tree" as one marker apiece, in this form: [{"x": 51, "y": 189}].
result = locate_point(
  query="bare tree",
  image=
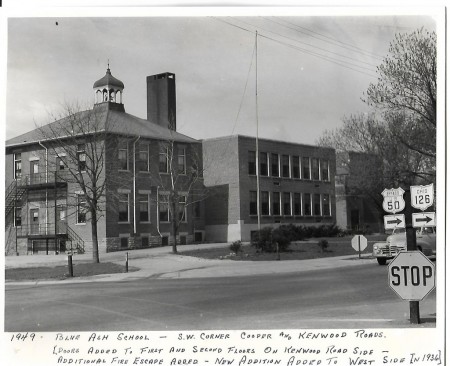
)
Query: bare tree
[
  {"x": 180, "y": 181},
  {"x": 406, "y": 90},
  {"x": 79, "y": 141}
]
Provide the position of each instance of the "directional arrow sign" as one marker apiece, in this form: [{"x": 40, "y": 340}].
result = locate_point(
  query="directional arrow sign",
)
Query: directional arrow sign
[
  {"x": 394, "y": 221},
  {"x": 424, "y": 219}
]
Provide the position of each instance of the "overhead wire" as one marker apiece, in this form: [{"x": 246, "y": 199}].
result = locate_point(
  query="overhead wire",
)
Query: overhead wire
[
  {"x": 307, "y": 44},
  {"x": 335, "y": 61},
  {"x": 331, "y": 39}
]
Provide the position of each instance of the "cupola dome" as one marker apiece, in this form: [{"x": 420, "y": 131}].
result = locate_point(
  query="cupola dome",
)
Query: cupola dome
[{"x": 108, "y": 89}]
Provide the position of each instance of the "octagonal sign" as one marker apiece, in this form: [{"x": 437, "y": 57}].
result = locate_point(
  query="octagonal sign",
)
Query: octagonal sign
[{"x": 412, "y": 275}]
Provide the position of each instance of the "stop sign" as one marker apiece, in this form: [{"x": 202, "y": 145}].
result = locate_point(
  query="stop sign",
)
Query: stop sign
[
  {"x": 359, "y": 242},
  {"x": 411, "y": 275}
]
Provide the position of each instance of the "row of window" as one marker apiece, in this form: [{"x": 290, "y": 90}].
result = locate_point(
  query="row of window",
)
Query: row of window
[
  {"x": 290, "y": 204},
  {"x": 61, "y": 162},
  {"x": 289, "y": 166},
  {"x": 143, "y": 158},
  {"x": 142, "y": 161}
]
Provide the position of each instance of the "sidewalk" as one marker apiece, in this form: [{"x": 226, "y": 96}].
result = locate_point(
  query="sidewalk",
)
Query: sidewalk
[{"x": 160, "y": 263}]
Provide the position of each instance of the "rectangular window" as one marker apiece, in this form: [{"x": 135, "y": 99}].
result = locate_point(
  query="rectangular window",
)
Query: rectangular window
[
  {"x": 81, "y": 157},
  {"x": 275, "y": 165},
  {"x": 124, "y": 242},
  {"x": 124, "y": 207},
  {"x": 181, "y": 160},
  {"x": 306, "y": 169},
  {"x": 144, "y": 208},
  {"x": 197, "y": 209},
  {"x": 317, "y": 211},
  {"x": 18, "y": 216},
  {"x": 145, "y": 241},
  {"x": 253, "y": 203},
  {"x": 81, "y": 209},
  {"x": 163, "y": 204},
  {"x": 123, "y": 155},
  {"x": 276, "y": 204},
  {"x": 315, "y": 169},
  {"x": 251, "y": 163},
  {"x": 265, "y": 203},
  {"x": 144, "y": 158},
  {"x": 61, "y": 163},
  {"x": 17, "y": 166},
  {"x": 297, "y": 204},
  {"x": 163, "y": 159},
  {"x": 295, "y": 167},
  {"x": 263, "y": 164},
  {"x": 324, "y": 167},
  {"x": 285, "y": 166},
  {"x": 307, "y": 204},
  {"x": 62, "y": 212},
  {"x": 287, "y": 204},
  {"x": 182, "y": 212},
  {"x": 326, "y": 207}
]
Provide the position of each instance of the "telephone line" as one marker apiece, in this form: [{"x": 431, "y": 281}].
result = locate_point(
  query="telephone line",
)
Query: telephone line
[
  {"x": 358, "y": 49},
  {"x": 308, "y": 44}
]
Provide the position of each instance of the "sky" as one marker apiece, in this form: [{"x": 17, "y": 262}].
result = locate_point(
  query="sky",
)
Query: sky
[{"x": 311, "y": 70}]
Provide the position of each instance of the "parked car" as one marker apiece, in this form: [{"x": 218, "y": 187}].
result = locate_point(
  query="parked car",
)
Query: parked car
[{"x": 395, "y": 243}]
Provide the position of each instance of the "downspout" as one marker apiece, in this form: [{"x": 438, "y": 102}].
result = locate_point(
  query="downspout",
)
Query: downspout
[
  {"x": 134, "y": 186},
  {"x": 46, "y": 189}
]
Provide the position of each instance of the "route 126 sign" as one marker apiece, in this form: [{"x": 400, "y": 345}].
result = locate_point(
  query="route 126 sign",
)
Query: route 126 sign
[
  {"x": 393, "y": 200},
  {"x": 422, "y": 197}
]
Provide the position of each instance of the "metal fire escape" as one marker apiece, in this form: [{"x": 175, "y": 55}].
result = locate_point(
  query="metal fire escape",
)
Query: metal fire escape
[{"x": 58, "y": 232}]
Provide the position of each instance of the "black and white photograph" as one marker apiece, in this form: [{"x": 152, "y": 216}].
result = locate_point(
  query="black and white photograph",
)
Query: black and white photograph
[{"x": 224, "y": 186}]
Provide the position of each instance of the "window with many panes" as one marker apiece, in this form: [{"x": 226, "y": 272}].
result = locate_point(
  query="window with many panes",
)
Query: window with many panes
[
  {"x": 306, "y": 168},
  {"x": 61, "y": 164},
  {"x": 144, "y": 208},
  {"x": 252, "y": 163},
  {"x": 263, "y": 164},
  {"x": 144, "y": 157},
  {"x": 324, "y": 167},
  {"x": 285, "y": 166},
  {"x": 276, "y": 204},
  {"x": 197, "y": 209},
  {"x": 287, "y": 204},
  {"x": 163, "y": 207},
  {"x": 81, "y": 209},
  {"x": 253, "y": 203},
  {"x": 163, "y": 159},
  {"x": 182, "y": 211},
  {"x": 315, "y": 169},
  {"x": 17, "y": 216},
  {"x": 17, "y": 166},
  {"x": 275, "y": 164},
  {"x": 265, "y": 203},
  {"x": 123, "y": 155},
  {"x": 81, "y": 157},
  {"x": 297, "y": 204},
  {"x": 295, "y": 167},
  {"x": 317, "y": 211},
  {"x": 181, "y": 160},
  {"x": 307, "y": 204},
  {"x": 124, "y": 207},
  {"x": 326, "y": 207}
]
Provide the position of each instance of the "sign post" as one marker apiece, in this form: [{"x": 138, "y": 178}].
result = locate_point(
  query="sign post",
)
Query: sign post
[{"x": 412, "y": 276}]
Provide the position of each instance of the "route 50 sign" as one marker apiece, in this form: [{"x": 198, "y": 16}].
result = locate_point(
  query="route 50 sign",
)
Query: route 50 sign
[
  {"x": 422, "y": 197},
  {"x": 393, "y": 200}
]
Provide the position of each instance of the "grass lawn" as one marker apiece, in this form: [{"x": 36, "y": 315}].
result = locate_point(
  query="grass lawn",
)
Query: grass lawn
[
  {"x": 297, "y": 250},
  {"x": 62, "y": 272}
]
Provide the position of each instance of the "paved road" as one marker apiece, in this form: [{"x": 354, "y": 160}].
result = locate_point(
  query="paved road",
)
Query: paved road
[{"x": 355, "y": 296}]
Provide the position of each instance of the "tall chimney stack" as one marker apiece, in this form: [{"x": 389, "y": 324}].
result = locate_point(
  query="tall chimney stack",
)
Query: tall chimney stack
[{"x": 161, "y": 100}]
